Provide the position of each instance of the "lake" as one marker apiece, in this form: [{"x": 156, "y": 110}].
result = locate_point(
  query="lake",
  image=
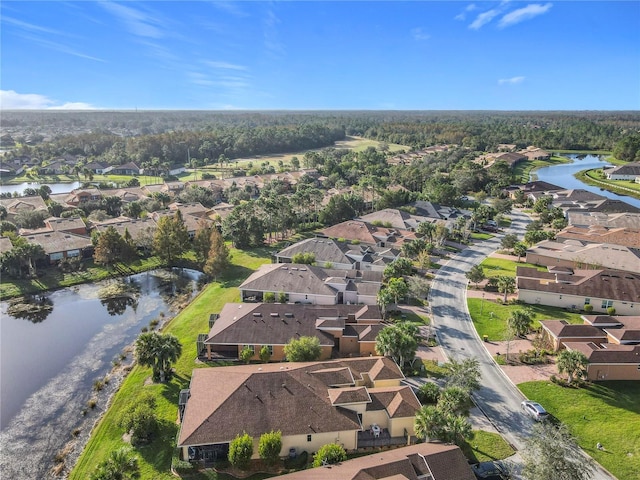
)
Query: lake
[
  {"x": 563, "y": 176},
  {"x": 55, "y": 187},
  {"x": 49, "y": 363}
]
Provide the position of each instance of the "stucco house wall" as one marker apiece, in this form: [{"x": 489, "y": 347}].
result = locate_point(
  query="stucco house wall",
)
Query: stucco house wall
[
  {"x": 596, "y": 371},
  {"x": 575, "y": 301}
]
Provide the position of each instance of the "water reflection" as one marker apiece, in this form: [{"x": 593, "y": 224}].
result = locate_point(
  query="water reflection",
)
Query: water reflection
[{"x": 35, "y": 308}]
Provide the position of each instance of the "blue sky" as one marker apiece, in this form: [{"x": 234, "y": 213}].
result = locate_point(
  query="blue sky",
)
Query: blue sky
[{"x": 416, "y": 55}]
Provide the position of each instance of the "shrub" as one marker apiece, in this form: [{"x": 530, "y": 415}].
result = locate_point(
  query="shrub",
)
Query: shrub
[
  {"x": 98, "y": 385},
  {"x": 140, "y": 419},
  {"x": 92, "y": 403},
  {"x": 241, "y": 450},
  {"x": 588, "y": 308},
  {"x": 611, "y": 311},
  {"x": 329, "y": 454},
  {"x": 269, "y": 297},
  {"x": 282, "y": 297},
  {"x": 269, "y": 447},
  {"x": 428, "y": 393}
]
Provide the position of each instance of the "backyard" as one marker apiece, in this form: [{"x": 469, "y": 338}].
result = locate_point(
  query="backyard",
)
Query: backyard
[{"x": 606, "y": 412}]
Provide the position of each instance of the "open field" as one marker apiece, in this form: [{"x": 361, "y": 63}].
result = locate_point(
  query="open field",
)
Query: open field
[
  {"x": 490, "y": 318},
  {"x": 605, "y": 412},
  {"x": 155, "y": 459},
  {"x": 623, "y": 187}
]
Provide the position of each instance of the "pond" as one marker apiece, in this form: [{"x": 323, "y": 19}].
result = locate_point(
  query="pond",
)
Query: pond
[
  {"x": 55, "y": 187},
  {"x": 563, "y": 176},
  {"x": 49, "y": 361}
]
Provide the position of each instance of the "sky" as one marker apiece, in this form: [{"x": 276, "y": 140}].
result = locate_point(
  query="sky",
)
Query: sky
[{"x": 320, "y": 55}]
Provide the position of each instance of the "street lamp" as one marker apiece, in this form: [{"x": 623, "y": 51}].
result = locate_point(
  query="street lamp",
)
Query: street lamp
[{"x": 482, "y": 303}]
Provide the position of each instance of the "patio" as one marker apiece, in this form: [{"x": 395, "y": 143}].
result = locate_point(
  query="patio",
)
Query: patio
[{"x": 366, "y": 439}]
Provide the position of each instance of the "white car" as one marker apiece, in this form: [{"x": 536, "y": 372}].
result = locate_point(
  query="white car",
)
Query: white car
[{"x": 534, "y": 410}]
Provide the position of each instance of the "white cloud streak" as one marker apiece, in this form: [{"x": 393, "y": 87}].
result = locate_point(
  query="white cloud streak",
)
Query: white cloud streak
[
  {"x": 30, "y": 26},
  {"x": 510, "y": 81},
  {"x": 483, "y": 19},
  {"x": 419, "y": 35},
  {"x": 522, "y": 14},
  {"x": 137, "y": 22},
  {"x": 12, "y": 100},
  {"x": 224, "y": 65},
  {"x": 463, "y": 15}
]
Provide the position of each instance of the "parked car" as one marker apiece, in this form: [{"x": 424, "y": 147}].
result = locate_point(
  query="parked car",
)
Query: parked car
[
  {"x": 534, "y": 410},
  {"x": 490, "y": 471}
]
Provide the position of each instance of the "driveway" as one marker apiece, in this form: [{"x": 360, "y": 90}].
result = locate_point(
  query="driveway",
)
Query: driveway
[{"x": 498, "y": 398}]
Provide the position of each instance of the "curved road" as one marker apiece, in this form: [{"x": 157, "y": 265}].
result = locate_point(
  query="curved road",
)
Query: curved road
[{"x": 498, "y": 398}]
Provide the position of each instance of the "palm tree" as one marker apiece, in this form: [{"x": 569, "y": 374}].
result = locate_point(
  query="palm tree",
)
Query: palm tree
[
  {"x": 573, "y": 363},
  {"x": 520, "y": 249},
  {"x": 457, "y": 428},
  {"x": 159, "y": 352},
  {"x": 121, "y": 465},
  {"x": 520, "y": 321},
  {"x": 429, "y": 423},
  {"x": 506, "y": 285}
]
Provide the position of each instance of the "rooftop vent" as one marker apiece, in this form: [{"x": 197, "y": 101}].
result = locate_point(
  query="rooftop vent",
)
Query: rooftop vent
[{"x": 289, "y": 315}]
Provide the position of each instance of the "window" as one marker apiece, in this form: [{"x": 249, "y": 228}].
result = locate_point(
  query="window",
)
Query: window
[
  {"x": 308, "y": 438},
  {"x": 270, "y": 348},
  {"x": 56, "y": 256},
  {"x": 587, "y": 301},
  {"x": 73, "y": 253},
  {"x": 607, "y": 303}
]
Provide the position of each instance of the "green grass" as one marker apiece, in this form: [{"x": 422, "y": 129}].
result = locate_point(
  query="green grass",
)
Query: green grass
[
  {"x": 490, "y": 318},
  {"x": 523, "y": 170},
  {"x": 494, "y": 267},
  {"x": 606, "y": 412},
  {"x": 52, "y": 278},
  {"x": 155, "y": 459},
  {"x": 480, "y": 236},
  {"x": 485, "y": 446},
  {"x": 623, "y": 187}
]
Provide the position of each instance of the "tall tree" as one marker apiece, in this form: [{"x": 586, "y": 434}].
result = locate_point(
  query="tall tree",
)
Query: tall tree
[
  {"x": 457, "y": 428},
  {"x": 429, "y": 423},
  {"x": 398, "y": 342},
  {"x": 476, "y": 274},
  {"x": 506, "y": 285},
  {"x": 520, "y": 321},
  {"x": 552, "y": 452},
  {"x": 520, "y": 249},
  {"x": 158, "y": 351},
  {"x": 573, "y": 363},
  {"x": 171, "y": 237},
  {"x": 202, "y": 242},
  {"x": 218, "y": 258},
  {"x": 465, "y": 373},
  {"x": 121, "y": 464},
  {"x": 110, "y": 247}
]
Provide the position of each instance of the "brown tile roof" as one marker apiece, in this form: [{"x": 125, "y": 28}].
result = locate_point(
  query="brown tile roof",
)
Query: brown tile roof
[
  {"x": 605, "y": 256},
  {"x": 627, "y": 237},
  {"x": 609, "y": 353},
  {"x": 225, "y": 401},
  {"x": 562, "y": 329},
  {"x": 431, "y": 461},
  {"x": 609, "y": 284},
  {"x": 608, "y": 220},
  {"x": 396, "y": 401},
  {"x": 367, "y": 233},
  {"x": 17, "y": 205},
  {"x": 137, "y": 228},
  {"x": 345, "y": 396}
]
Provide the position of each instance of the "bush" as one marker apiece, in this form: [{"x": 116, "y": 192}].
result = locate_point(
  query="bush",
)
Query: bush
[
  {"x": 241, "y": 450},
  {"x": 588, "y": 308},
  {"x": 181, "y": 466},
  {"x": 329, "y": 454},
  {"x": 269, "y": 297},
  {"x": 428, "y": 393},
  {"x": 611, "y": 311},
  {"x": 269, "y": 447},
  {"x": 139, "y": 419}
]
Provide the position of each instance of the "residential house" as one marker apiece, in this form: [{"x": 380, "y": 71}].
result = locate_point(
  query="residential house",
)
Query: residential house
[
  {"x": 343, "y": 330},
  {"x": 534, "y": 190},
  {"x": 194, "y": 215},
  {"x": 629, "y": 171},
  {"x": 129, "y": 194},
  {"x": 606, "y": 205},
  {"x": 141, "y": 230},
  {"x": 126, "y": 169},
  {"x": 556, "y": 332},
  {"x": 77, "y": 197},
  {"x": 609, "y": 361},
  {"x": 97, "y": 168},
  {"x": 394, "y": 218},
  {"x": 311, "y": 404},
  {"x": 59, "y": 167},
  {"x": 511, "y": 158},
  {"x": 363, "y": 232},
  {"x": 177, "y": 169},
  {"x": 341, "y": 255},
  {"x": 423, "y": 461},
  {"x": 626, "y": 237},
  {"x": 54, "y": 224},
  {"x": 309, "y": 284},
  {"x": 572, "y": 289},
  {"x": 534, "y": 153},
  {"x": 574, "y": 254},
  {"x": 605, "y": 220},
  {"x": 58, "y": 245},
  {"x": 16, "y": 205}
]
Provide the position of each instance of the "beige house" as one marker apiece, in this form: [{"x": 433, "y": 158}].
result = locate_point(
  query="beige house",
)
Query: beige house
[
  {"x": 557, "y": 332},
  {"x": 626, "y": 237},
  {"x": 609, "y": 361},
  {"x": 424, "y": 461},
  {"x": 363, "y": 232},
  {"x": 312, "y": 404},
  {"x": 572, "y": 289},
  {"x": 344, "y": 330}
]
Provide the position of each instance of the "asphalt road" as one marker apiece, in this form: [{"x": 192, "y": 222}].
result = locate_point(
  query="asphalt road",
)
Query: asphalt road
[{"x": 498, "y": 398}]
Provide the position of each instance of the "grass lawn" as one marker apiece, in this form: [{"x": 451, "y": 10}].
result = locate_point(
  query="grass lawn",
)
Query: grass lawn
[
  {"x": 623, "y": 187},
  {"x": 486, "y": 446},
  {"x": 494, "y": 267},
  {"x": 480, "y": 236},
  {"x": 606, "y": 412},
  {"x": 490, "y": 318},
  {"x": 155, "y": 459},
  {"x": 52, "y": 278}
]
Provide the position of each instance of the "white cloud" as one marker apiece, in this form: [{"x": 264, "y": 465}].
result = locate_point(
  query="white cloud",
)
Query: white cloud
[
  {"x": 484, "y": 18},
  {"x": 230, "y": 7},
  {"x": 522, "y": 14},
  {"x": 418, "y": 34},
  {"x": 12, "y": 100},
  {"x": 463, "y": 15},
  {"x": 137, "y": 22},
  {"x": 30, "y": 26},
  {"x": 224, "y": 65},
  {"x": 510, "y": 81}
]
